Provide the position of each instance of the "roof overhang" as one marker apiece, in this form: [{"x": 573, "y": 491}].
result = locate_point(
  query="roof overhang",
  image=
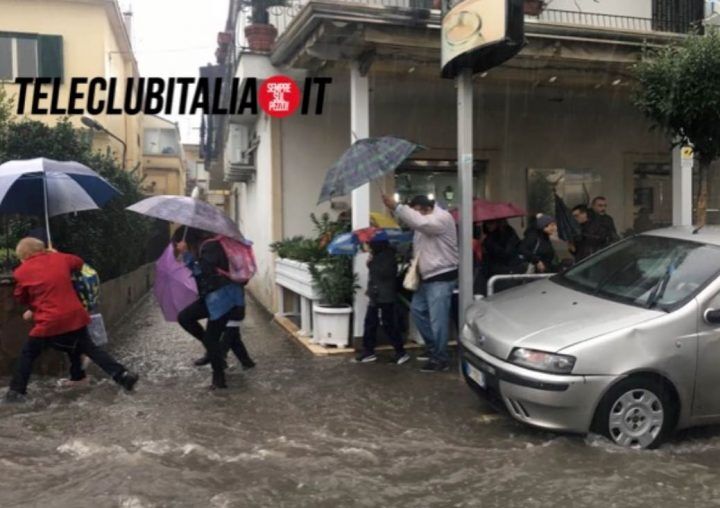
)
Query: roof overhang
[{"x": 338, "y": 32}]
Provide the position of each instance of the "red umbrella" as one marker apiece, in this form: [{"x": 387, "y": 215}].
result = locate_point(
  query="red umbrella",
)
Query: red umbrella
[{"x": 487, "y": 210}]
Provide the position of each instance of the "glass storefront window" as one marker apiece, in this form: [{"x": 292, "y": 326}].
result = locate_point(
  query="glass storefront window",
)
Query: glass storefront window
[
  {"x": 436, "y": 179},
  {"x": 575, "y": 187}
]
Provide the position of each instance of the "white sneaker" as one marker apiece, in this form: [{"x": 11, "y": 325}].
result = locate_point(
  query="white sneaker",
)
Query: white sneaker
[
  {"x": 399, "y": 360},
  {"x": 69, "y": 383}
]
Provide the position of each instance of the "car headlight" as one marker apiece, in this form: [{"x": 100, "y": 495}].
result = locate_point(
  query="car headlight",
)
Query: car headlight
[{"x": 540, "y": 360}]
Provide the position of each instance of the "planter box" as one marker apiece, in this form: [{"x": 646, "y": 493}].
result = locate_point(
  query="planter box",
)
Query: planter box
[
  {"x": 296, "y": 277},
  {"x": 332, "y": 325}
]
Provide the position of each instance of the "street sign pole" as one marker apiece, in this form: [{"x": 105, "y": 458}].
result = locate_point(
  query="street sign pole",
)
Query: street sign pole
[{"x": 465, "y": 185}]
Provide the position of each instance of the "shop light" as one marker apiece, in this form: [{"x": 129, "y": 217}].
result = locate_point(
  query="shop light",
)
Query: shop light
[
  {"x": 431, "y": 196},
  {"x": 616, "y": 82},
  {"x": 553, "y": 79},
  {"x": 396, "y": 196}
]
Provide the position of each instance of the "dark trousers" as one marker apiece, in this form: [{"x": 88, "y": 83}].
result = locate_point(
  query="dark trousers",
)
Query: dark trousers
[
  {"x": 233, "y": 341},
  {"x": 210, "y": 338},
  {"x": 75, "y": 344},
  {"x": 381, "y": 314}
]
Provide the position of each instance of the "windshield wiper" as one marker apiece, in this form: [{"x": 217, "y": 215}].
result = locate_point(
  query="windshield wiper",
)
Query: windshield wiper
[{"x": 660, "y": 287}]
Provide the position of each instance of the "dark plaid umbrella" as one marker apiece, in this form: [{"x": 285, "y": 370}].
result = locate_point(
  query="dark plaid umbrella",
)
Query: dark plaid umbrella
[
  {"x": 568, "y": 228},
  {"x": 366, "y": 160}
]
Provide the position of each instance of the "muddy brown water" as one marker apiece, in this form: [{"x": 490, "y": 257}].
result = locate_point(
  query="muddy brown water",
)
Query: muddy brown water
[{"x": 299, "y": 431}]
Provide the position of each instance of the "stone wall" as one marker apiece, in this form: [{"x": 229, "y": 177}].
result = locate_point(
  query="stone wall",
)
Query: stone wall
[{"x": 117, "y": 296}]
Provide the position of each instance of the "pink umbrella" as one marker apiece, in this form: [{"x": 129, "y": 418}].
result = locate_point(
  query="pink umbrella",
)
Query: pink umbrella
[
  {"x": 487, "y": 210},
  {"x": 175, "y": 287}
]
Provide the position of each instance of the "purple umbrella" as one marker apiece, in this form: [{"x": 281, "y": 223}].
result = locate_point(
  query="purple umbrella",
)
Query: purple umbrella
[{"x": 175, "y": 287}]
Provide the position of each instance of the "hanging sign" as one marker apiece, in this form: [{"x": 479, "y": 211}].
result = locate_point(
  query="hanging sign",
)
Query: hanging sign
[{"x": 480, "y": 34}]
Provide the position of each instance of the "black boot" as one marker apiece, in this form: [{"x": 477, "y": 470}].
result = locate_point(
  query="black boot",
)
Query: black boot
[
  {"x": 200, "y": 362},
  {"x": 218, "y": 380},
  {"x": 127, "y": 380}
]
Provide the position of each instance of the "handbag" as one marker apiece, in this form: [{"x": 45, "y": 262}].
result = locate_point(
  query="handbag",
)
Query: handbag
[
  {"x": 96, "y": 330},
  {"x": 412, "y": 277}
]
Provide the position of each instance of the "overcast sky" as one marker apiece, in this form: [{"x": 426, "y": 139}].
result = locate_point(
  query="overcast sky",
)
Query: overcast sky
[{"x": 173, "y": 38}]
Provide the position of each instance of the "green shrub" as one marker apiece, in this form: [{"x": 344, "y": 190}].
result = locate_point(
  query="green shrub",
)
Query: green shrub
[
  {"x": 335, "y": 280},
  {"x": 112, "y": 240}
]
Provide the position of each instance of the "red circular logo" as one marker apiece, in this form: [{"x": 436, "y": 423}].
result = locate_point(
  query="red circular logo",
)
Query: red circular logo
[{"x": 279, "y": 96}]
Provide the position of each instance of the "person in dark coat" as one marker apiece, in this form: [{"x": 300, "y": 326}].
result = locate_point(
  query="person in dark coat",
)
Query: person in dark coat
[
  {"x": 592, "y": 236},
  {"x": 537, "y": 248},
  {"x": 605, "y": 223},
  {"x": 218, "y": 295},
  {"x": 501, "y": 248},
  {"x": 382, "y": 293}
]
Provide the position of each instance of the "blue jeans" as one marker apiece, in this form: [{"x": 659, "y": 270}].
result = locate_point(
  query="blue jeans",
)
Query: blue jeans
[{"x": 431, "y": 314}]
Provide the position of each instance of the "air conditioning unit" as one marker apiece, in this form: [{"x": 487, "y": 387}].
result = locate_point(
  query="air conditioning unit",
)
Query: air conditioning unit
[{"x": 242, "y": 145}]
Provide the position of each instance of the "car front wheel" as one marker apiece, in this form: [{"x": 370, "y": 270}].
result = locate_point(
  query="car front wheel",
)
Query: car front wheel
[{"x": 637, "y": 413}]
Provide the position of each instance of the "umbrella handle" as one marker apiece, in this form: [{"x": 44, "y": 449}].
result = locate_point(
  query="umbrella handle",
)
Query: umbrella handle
[{"x": 47, "y": 212}]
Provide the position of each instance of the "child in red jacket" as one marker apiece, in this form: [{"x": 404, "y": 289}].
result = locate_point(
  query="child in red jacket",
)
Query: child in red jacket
[{"x": 43, "y": 282}]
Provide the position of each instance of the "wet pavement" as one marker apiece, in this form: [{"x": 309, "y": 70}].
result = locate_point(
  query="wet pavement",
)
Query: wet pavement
[{"x": 318, "y": 432}]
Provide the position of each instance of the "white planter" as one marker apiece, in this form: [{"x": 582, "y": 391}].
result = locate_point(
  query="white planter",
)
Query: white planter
[
  {"x": 331, "y": 325},
  {"x": 296, "y": 277}
]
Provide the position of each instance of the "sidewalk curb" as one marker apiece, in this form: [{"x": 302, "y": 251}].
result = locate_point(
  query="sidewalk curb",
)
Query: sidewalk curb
[{"x": 317, "y": 350}]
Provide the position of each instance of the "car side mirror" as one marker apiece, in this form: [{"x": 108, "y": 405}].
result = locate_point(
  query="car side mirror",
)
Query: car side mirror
[{"x": 712, "y": 316}]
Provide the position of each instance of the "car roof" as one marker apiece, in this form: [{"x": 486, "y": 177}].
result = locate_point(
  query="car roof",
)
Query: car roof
[{"x": 708, "y": 234}]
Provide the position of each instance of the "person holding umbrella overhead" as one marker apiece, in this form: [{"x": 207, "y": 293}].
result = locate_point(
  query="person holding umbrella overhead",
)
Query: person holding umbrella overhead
[
  {"x": 44, "y": 284},
  {"x": 199, "y": 219},
  {"x": 218, "y": 295}
]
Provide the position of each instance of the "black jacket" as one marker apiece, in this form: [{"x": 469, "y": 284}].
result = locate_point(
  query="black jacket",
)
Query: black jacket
[
  {"x": 502, "y": 251},
  {"x": 382, "y": 277},
  {"x": 593, "y": 237},
  {"x": 537, "y": 247},
  {"x": 211, "y": 257},
  {"x": 606, "y": 229}
]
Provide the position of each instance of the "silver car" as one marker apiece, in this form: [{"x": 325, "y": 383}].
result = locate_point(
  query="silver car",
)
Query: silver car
[{"x": 626, "y": 343}]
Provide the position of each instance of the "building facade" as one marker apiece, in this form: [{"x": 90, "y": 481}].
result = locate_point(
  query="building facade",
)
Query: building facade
[
  {"x": 73, "y": 38},
  {"x": 164, "y": 160},
  {"x": 558, "y": 117}
]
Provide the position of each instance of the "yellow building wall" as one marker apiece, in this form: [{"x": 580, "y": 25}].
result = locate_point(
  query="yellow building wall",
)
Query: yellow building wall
[
  {"x": 169, "y": 172},
  {"x": 90, "y": 49}
]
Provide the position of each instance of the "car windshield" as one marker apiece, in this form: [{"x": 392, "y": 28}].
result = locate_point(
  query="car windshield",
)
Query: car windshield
[{"x": 647, "y": 271}]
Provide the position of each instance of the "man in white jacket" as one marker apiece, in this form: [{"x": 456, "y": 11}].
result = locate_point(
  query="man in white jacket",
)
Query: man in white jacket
[{"x": 435, "y": 242}]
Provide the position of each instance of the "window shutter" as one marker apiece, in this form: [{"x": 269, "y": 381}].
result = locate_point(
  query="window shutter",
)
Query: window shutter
[{"x": 50, "y": 56}]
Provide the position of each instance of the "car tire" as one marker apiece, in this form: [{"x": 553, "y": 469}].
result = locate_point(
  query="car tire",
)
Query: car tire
[{"x": 638, "y": 412}]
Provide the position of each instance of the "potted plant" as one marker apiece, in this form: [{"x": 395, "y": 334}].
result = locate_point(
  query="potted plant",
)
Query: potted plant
[
  {"x": 336, "y": 284},
  {"x": 260, "y": 33},
  {"x": 534, "y": 7}
]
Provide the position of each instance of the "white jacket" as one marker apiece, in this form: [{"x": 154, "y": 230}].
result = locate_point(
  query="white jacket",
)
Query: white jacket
[{"x": 435, "y": 240}]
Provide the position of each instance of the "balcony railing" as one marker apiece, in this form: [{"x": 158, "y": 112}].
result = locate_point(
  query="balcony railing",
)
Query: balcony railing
[
  {"x": 282, "y": 16},
  {"x": 592, "y": 19}
]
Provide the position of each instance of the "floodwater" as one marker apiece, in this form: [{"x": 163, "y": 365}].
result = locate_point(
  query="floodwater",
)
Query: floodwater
[{"x": 317, "y": 432}]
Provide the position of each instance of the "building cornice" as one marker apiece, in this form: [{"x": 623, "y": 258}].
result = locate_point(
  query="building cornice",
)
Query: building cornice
[{"x": 315, "y": 12}]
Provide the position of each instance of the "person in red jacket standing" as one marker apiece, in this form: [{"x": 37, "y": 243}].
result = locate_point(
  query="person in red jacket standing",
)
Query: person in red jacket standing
[{"x": 43, "y": 282}]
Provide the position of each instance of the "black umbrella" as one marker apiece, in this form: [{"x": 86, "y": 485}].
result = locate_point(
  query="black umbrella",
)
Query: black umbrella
[{"x": 568, "y": 227}]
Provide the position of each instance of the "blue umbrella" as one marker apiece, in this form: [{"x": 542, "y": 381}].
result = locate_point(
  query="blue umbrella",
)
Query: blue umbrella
[
  {"x": 49, "y": 187},
  {"x": 347, "y": 244}
]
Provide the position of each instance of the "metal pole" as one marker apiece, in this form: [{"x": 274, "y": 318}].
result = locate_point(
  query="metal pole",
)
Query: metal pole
[
  {"x": 47, "y": 212},
  {"x": 360, "y": 198},
  {"x": 465, "y": 185},
  {"x": 123, "y": 144},
  {"x": 682, "y": 185}
]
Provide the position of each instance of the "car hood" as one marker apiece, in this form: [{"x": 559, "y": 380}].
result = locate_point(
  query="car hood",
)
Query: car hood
[{"x": 549, "y": 317}]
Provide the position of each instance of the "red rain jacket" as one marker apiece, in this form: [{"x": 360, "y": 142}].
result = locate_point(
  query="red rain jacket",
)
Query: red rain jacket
[{"x": 43, "y": 282}]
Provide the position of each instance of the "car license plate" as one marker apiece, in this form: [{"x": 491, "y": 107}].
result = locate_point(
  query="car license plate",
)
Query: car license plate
[{"x": 476, "y": 375}]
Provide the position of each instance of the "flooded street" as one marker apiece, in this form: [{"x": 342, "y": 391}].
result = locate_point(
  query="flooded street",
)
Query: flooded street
[{"x": 304, "y": 431}]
